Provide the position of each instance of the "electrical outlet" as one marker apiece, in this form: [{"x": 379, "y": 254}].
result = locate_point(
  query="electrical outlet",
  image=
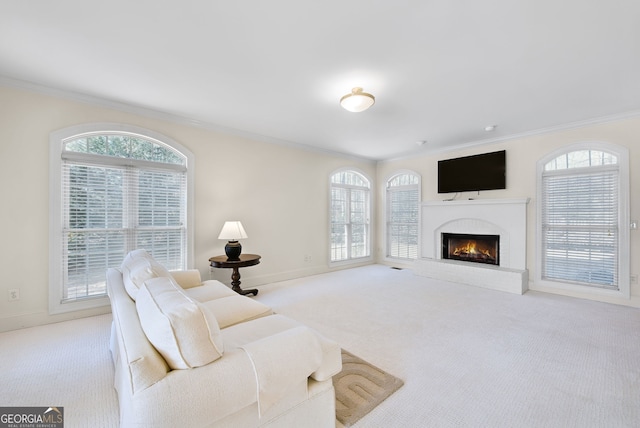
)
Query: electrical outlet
[
  {"x": 634, "y": 279},
  {"x": 307, "y": 258},
  {"x": 14, "y": 294}
]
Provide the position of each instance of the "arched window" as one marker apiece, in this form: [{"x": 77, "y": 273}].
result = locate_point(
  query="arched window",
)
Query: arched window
[
  {"x": 402, "y": 215},
  {"x": 350, "y": 216},
  {"x": 113, "y": 191},
  {"x": 583, "y": 221}
]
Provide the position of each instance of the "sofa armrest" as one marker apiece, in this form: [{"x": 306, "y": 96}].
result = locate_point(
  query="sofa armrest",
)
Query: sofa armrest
[
  {"x": 246, "y": 332},
  {"x": 331, "y": 359},
  {"x": 187, "y": 278},
  {"x": 281, "y": 361},
  {"x": 216, "y": 390}
]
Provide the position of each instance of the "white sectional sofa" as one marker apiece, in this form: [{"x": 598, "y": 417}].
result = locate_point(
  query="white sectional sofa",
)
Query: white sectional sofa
[{"x": 196, "y": 354}]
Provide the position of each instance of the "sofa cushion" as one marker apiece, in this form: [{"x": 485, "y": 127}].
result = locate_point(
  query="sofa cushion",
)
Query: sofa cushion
[
  {"x": 209, "y": 290},
  {"x": 235, "y": 309},
  {"x": 187, "y": 278},
  {"x": 184, "y": 331},
  {"x": 140, "y": 269}
]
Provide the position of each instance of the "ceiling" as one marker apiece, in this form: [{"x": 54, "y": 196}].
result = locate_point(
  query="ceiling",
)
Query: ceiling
[{"x": 441, "y": 70}]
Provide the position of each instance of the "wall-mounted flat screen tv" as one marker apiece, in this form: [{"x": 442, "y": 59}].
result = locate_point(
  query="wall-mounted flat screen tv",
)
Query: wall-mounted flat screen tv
[{"x": 486, "y": 171}]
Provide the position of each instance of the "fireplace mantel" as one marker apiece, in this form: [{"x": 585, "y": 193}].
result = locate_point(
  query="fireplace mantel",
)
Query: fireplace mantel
[
  {"x": 504, "y": 217},
  {"x": 478, "y": 202}
]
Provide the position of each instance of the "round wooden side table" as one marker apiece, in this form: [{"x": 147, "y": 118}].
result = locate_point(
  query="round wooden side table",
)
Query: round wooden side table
[{"x": 245, "y": 260}]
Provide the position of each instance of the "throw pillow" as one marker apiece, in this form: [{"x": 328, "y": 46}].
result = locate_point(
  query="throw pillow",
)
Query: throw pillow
[
  {"x": 140, "y": 270},
  {"x": 185, "y": 333}
]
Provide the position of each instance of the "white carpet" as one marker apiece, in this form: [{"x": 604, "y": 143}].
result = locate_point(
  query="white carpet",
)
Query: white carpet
[
  {"x": 67, "y": 365},
  {"x": 469, "y": 357},
  {"x": 472, "y": 357}
]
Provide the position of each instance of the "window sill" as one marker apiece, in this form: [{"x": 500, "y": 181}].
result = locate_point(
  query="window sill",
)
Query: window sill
[
  {"x": 582, "y": 291},
  {"x": 56, "y": 307},
  {"x": 351, "y": 262}
]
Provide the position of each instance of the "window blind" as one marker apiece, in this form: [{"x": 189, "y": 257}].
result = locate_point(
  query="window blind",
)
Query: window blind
[
  {"x": 580, "y": 226},
  {"x": 111, "y": 210},
  {"x": 402, "y": 221},
  {"x": 359, "y": 216},
  {"x": 339, "y": 224}
]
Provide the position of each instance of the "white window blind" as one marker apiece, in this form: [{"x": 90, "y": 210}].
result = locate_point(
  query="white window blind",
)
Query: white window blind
[
  {"x": 403, "y": 209},
  {"x": 580, "y": 231},
  {"x": 119, "y": 193},
  {"x": 350, "y": 213}
]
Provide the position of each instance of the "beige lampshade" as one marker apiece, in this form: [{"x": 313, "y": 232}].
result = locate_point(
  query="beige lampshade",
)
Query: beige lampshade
[{"x": 232, "y": 231}]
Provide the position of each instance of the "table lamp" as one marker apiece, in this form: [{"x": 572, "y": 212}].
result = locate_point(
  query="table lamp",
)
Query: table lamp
[{"x": 232, "y": 231}]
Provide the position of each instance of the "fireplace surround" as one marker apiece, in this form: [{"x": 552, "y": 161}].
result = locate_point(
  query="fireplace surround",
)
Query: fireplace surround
[{"x": 505, "y": 218}]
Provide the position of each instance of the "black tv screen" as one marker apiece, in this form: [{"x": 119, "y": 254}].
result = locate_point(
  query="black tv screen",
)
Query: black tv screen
[{"x": 486, "y": 171}]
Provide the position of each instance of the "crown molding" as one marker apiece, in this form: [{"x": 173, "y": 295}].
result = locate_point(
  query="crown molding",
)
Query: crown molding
[
  {"x": 177, "y": 119},
  {"x": 169, "y": 117},
  {"x": 541, "y": 131}
]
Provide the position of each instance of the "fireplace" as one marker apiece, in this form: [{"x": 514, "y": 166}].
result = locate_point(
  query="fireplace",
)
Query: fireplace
[
  {"x": 471, "y": 248},
  {"x": 506, "y": 218}
]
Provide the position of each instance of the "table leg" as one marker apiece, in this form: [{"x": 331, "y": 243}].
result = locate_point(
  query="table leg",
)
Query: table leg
[{"x": 235, "y": 283}]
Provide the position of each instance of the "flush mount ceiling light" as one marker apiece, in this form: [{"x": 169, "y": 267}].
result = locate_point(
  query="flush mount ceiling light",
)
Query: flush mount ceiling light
[{"x": 357, "y": 101}]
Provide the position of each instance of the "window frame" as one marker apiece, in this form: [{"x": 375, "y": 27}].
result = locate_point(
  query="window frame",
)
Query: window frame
[
  {"x": 386, "y": 243},
  {"x": 352, "y": 260},
  {"x": 623, "y": 222},
  {"x": 57, "y": 141}
]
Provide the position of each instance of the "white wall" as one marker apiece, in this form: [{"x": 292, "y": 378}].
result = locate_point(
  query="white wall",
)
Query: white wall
[
  {"x": 280, "y": 193},
  {"x": 522, "y": 155}
]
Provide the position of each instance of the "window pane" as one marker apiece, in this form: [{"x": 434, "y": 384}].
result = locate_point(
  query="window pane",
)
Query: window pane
[
  {"x": 125, "y": 146},
  {"x": 404, "y": 180},
  {"x": 118, "y": 146},
  {"x": 350, "y": 178},
  {"x": 97, "y": 144},
  {"x": 581, "y": 255},
  {"x": 160, "y": 198},
  {"x": 581, "y": 159},
  {"x": 166, "y": 245},
  {"x": 358, "y": 206},
  {"x": 79, "y": 145},
  {"x": 88, "y": 256},
  {"x": 338, "y": 205},
  {"x": 359, "y": 244},
  {"x": 339, "y": 242},
  {"x": 403, "y": 242},
  {"x": 94, "y": 197}
]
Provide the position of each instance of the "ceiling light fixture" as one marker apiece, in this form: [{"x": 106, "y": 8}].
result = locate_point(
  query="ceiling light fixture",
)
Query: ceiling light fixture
[
  {"x": 357, "y": 101},
  {"x": 490, "y": 128}
]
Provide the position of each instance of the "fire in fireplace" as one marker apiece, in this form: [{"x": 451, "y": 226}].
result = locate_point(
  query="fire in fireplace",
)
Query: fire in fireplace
[{"x": 471, "y": 248}]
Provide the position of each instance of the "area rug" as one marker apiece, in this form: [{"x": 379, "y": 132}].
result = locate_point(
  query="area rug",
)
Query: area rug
[{"x": 360, "y": 387}]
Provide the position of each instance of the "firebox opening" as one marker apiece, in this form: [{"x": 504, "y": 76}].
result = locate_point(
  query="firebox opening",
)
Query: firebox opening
[{"x": 471, "y": 248}]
